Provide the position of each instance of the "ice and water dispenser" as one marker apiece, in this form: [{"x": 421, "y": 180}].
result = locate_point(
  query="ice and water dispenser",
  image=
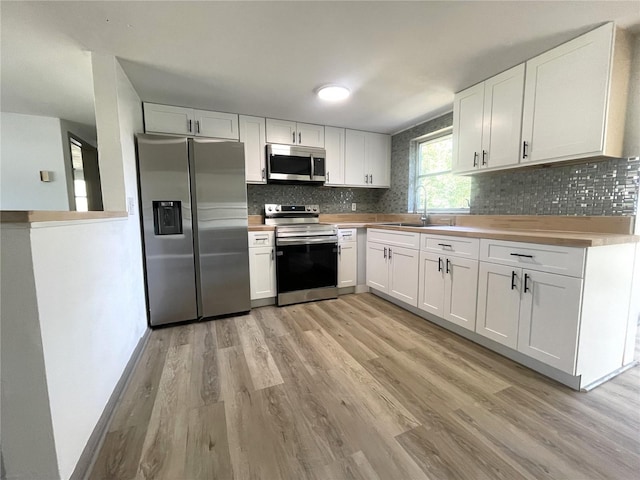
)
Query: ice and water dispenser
[{"x": 167, "y": 217}]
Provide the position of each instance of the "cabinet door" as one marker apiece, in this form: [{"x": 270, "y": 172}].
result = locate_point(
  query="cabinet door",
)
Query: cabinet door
[
  {"x": 461, "y": 291},
  {"x": 502, "y": 119},
  {"x": 378, "y": 158},
  {"x": 499, "y": 303},
  {"x": 431, "y": 283},
  {"x": 377, "y": 268},
  {"x": 216, "y": 124},
  {"x": 262, "y": 272},
  {"x": 252, "y": 134},
  {"x": 467, "y": 128},
  {"x": 354, "y": 158},
  {"x": 310, "y": 135},
  {"x": 403, "y": 274},
  {"x": 281, "y": 131},
  {"x": 168, "y": 119},
  {"x": 347, "y": 264},
  {"x": 334, "y": 145},
  {"x": 549, "y": 319},
  {"x": 565, "y": 99}
]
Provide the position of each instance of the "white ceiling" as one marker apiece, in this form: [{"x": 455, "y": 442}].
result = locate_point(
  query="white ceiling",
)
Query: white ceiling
[{"x": 403, "y": 61}]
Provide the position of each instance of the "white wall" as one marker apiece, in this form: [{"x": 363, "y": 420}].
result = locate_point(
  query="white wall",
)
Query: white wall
[
  {"x": 29, "y": 144},
  {"x": 90, "y": 284}
]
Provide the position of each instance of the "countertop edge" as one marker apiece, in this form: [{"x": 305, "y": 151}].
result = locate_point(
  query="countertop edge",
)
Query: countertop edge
[{"x": 35, "y": 216}]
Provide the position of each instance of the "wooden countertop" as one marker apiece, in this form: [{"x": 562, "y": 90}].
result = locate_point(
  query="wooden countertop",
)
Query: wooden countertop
[
  {"x": 33, "y": 216},
  {"x": 261, "y": 228},
  {"x": 548, "y": 237}
]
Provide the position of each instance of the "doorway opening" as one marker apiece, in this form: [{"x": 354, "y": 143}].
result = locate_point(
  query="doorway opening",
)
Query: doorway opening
[{"x": 87, "y": 192}]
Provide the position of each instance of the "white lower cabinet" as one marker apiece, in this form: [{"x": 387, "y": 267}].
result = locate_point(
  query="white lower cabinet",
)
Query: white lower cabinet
[
  {"x": 393, "y": 270},
  {"x": 347, "y": 258},
  {"x": 448, "y": 285},
  {"x": 262, "y": 265}
]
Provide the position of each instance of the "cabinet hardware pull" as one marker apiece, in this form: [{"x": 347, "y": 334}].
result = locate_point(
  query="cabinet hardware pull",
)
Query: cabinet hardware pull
[
  {"x": 521, "y": 255},
  {"x": 272, "y": 255},
  {"x": 439, "y": 264},
  {"x": 385, "y": 252},
  {"x": 445, "y": 245},
  {"x": 339, "y": 249},
  {"x": 390, "y": 254},
  {"x": 189, "y": 126},
  {"x": 327, "y": 176},
  {"x": 371, "y": 179},
  {"x": 294, "y": 137},
  {"x": 513, "y": 280},
  {"x": 484, "y": 156},
  {"x": 197, "y": 126},
  {"x": 448, "y": 262},
  {"x": 366, "y": 178},
  {"x": 524, "y": 149},
  {"x": 299, "y": 137},
  {"x": 526, "y": 286},
  {"x": 475, "y": 159},
  {"x": 263, "y": 173}
]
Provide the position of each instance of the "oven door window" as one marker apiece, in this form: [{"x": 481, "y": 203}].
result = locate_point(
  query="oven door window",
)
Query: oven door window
[
  {"x": 290, "y": 165},
  {"x": 303, "y": 267}
]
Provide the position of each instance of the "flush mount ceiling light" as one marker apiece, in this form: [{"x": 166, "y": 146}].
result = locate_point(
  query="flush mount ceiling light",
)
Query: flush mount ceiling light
[{"x": 333, "y": 93}]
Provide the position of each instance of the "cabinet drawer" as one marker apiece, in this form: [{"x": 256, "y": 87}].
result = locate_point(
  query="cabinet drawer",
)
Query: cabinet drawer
[
  {"x": 260, "y": 239},
  {"x": 545, "y": 258},
  {"x": 346, "y": 235},
  {"x": 457, "y": 246},
  {"x": 394, "y": 237}
]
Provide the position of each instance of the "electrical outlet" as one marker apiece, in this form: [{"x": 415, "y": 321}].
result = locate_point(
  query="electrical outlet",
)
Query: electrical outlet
[{"x": 353, "y": 207}]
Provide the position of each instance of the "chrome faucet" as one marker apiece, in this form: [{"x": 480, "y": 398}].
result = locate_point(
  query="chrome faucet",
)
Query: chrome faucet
[{"x": 424, "y": 218}]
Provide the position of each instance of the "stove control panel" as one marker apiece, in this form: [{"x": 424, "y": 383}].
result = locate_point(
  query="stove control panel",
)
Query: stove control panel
[{"x": 274, "y": 209}]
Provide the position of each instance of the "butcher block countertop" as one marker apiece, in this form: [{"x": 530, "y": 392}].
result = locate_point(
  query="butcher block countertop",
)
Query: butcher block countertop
[{"x": 547, "y": 237}]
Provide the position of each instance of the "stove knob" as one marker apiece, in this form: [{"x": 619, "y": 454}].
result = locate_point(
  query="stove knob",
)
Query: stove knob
[
  {"x": 308, "y": 209},
  {"x": 277, "y": 209},
  {"x": 315, "y": 209},
  {"x": 270, "y": 208}
]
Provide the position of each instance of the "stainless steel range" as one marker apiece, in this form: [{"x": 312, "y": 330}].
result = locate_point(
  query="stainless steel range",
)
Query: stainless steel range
[{"x": 306, "y": 253}]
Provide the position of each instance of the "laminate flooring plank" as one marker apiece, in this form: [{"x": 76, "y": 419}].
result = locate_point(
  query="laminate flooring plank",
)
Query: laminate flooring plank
[
  {"x": 305, "y": 395},
  {"x": 390, "y": 416},
  {"x": 386, "y": 331},
  {"x": 344, "y": 316},
  {"x": 308, "y": 356},
  {"x": 270, "y": 321},
  {"x": 448, "y": 451},
  {"x": 299, "y": 315},
  {"x": 362, "y": 303},
  {"x": 115, "y": 459},
  {"x": 226, "y": 333},
  {"x": 354, "y": 467},
  {"x": 163, "y": 451},
  {"x": 251, "y": 445},
  {"x": 359, "y": 351},
  {"x": 207, "y": 452},
  {"x": 538, "y": 459},
  {"x": 204, "y": 382},
  {"x": 182, "y": 334},
  {"x": 263, "y": 370}
]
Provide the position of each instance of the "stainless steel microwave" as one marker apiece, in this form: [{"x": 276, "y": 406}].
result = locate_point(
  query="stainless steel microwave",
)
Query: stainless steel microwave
[{"x": 293, "y": 164}]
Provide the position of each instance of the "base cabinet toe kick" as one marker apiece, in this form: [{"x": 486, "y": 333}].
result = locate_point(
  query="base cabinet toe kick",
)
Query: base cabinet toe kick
[{"x": 568, "y": 313}]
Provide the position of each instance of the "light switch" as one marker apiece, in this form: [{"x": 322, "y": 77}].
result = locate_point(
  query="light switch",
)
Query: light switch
[{"x": 46, "y": 176}]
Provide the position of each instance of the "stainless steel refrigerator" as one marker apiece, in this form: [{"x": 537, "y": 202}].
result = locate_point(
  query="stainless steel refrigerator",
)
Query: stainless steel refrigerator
[{"x": 193, "y": 205}]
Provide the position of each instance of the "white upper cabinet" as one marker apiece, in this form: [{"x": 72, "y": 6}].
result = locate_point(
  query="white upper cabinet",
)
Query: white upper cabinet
[
  {"x": 367, "y": 159},
  {"x": 574, "y": 99},
  {"x": 486, "y": 123},
  {"x": 216, "y": 124},
  {"x": 335, "y": 148},
  {"x": 294, "y": 133},
  {"x": 252, "y": 134},
  {"x": 187, "y": 121},
  {"x": 168, "y": 119}
]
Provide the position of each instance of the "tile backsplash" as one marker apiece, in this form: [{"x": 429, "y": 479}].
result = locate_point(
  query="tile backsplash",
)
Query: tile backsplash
[
  {"x": 330, "y": 199},
  {"x": 603, "y": 187}
]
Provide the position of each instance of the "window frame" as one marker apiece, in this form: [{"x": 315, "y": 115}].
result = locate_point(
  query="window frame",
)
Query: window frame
[{"x": 415, "y": 160}]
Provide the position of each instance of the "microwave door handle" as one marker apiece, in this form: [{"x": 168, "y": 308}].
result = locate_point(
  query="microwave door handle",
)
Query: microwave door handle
[{"x": 312, "y": 170}]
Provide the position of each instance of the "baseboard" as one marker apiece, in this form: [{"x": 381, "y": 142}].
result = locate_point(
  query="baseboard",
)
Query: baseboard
[
  {"x": 362, "y": 289},
  {"x": 88, "y": 456},
  {"x": 263, "y": 302}
]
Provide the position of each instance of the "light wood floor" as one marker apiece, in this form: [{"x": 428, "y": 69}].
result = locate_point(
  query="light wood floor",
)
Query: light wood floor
[{"x": 357, "y": 388}]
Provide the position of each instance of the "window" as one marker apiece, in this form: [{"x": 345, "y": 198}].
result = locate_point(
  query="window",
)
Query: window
[{"x": 434, "y": 182}]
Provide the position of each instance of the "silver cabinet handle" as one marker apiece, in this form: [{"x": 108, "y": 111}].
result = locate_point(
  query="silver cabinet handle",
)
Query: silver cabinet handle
[
  {"x": 327, "y": 176},
  {"x": 189, "y": 126},
  {"x": 366, "y": 179},
  {"x": 339, "y": 249},
  {"x": 390, "y": 252},
  {"x": 371, "y": 179},
  {"x": 197, "y": 126},
  {"x": 299, "y": 137},
  {"x": 385, "y": 252},
  {"x": 294, "y": 137},
  {"x": 264, "y": 173},
  {"x": 272, "y": 255}
]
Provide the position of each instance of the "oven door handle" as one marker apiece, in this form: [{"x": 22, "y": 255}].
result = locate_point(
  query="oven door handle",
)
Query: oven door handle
[{"x": 306, "y": 240}]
